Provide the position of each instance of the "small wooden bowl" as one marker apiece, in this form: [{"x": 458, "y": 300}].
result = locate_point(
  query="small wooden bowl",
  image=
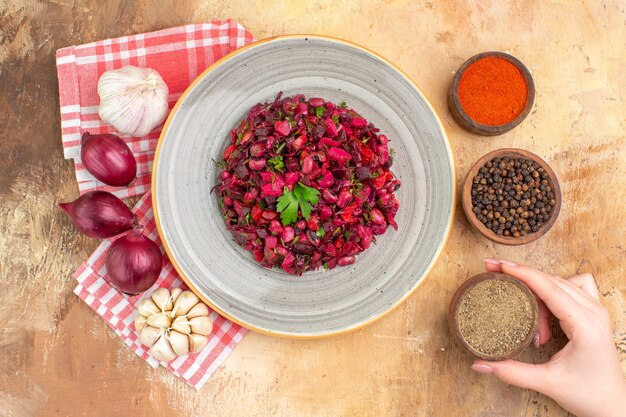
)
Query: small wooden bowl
[
  {"x": 478, "y": 225},
  {"x": 456, "y": 303},
  {"x": 469, "y": 124}
]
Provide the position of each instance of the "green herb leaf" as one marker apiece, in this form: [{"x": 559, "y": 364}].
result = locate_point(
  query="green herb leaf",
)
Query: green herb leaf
[
  {"x": 239, "y": 136},
  {"x": 301, "y": 197},
  {"x": 335, "y": 118},
  {"x": 280, "y": 147},
  {"x": 321, "y": 232},
  {"x": 277, "y": 163},
  {"x": 319, "y": 111},
  {"x": 343, "y": 105},
  {"x": 287, "y": 206}
]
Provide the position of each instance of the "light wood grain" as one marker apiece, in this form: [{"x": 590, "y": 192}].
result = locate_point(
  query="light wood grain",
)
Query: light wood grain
[{"x": 57, "y": 358}]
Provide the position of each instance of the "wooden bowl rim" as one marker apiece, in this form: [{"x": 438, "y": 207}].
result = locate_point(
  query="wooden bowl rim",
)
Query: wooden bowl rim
[
  {"x": 478, "y": 225},
  {"x": 479, "y": 128},
  {"x": 460, "y": 294}
]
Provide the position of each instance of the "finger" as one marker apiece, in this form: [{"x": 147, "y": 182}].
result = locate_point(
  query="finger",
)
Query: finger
[
  {"x": 523, "y": 375},
  {"x": 560, "y": 303},
  {"x": 492, "y": 265},
  {"x": 575, "y": 292},
  {"x": 587, "y": 284},
  {"x": 543, "y": 327}
]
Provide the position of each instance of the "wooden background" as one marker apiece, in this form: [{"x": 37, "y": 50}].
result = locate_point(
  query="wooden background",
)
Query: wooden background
[{"x": 58, "y": 358}]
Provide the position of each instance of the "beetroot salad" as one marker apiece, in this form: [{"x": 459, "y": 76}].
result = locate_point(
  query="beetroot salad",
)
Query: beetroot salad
[{"x": 306, "y": 183}]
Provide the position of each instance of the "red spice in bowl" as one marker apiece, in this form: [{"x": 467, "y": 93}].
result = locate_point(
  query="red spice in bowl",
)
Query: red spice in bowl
[{"x": 493, "y": 91}]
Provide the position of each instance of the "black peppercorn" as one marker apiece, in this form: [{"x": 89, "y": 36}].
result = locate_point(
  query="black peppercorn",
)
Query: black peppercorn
[{"x": 512, "y": 196}]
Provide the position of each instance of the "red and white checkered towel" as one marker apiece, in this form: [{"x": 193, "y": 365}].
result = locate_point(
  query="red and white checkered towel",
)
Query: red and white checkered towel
[
  {"x": 179, "y": 55},
  {"x": 118, "y": 309}
]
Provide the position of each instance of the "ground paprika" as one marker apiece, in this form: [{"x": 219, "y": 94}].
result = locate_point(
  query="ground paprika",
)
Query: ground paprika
[{"x": 492, "y": 91}]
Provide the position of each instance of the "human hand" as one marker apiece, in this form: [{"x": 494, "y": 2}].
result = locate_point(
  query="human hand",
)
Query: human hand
[{"x": 585, "y": 376}]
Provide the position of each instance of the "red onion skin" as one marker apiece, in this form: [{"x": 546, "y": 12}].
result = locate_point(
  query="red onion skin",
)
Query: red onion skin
[
  {"x": 99, "y": 214},
  {"x": 108, "y": 158},
  {"x": 133, "y": 263}
]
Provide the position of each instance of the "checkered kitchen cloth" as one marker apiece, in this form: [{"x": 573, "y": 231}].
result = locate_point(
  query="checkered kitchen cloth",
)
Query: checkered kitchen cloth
[{"x": 179, "y": 55}]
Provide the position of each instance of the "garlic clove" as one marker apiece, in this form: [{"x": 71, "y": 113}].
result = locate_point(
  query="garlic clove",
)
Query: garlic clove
[
  {"x": 133, "y": 100},
  {"x": 162, "y": 349},
  {"x": 140, "y": 322},
  {"x": 174, "y": 293},
  {"x": 198, "y": 310},
  {"x": 181, "y": 325},
  {"x": 179, "y": 343},
  {"x": 160, "y": 320},
  {"x": 184, "y": 303},
  {"x": 149, "y": 335},
  {"x": 201, "y": 325},
  {"x": 147, "y": 307},
  {"x": 197, "y": 342},
  {"x": 161, "y": 297}
]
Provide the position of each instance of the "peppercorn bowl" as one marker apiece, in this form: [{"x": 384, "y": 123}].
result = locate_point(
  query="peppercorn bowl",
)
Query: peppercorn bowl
[
  {"x": 225, "y": 275},
  {"x": 511, "y": 196}
]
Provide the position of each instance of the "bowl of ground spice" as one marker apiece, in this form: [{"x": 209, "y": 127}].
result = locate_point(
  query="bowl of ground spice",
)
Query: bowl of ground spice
[
  {"x": 494, "y": 316},
  {"x": 511, "y": 196},
  {"x": 491, "y": 93}
]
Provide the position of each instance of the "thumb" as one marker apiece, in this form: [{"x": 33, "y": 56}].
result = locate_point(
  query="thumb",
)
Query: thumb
[{"x": 523, "y": 375}]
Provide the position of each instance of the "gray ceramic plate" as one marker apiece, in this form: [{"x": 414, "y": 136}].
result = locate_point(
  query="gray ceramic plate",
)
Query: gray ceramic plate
[{"x": 223, "y": 274}]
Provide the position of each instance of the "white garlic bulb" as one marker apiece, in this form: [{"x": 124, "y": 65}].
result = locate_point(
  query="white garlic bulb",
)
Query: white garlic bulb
[
  {"x": 173, "y": 323},
  {"x": 133, "y": 100}
]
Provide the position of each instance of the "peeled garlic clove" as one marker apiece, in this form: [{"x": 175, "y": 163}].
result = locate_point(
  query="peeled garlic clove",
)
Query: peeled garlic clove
[
  {"x": 161, "y": 298},
  {"x": 201, "y": 325},
  {"x": 133, "y": 100},
  {"x": 162, "y": 349},
  {"x": 198, "y": 310},
  {"x": 174, "y": 293},
  {"x": 160, "y": 320},
  {"x": 179, "y": 343},
  {"x": 197, "y": 342},
  {"x": 140, "y": 322},
  {"x": 184, "y": 303},
  {"x": 147, "y": 307},
  {"x": 149, "y": 335},
  {"x": 181, "y": 325}
]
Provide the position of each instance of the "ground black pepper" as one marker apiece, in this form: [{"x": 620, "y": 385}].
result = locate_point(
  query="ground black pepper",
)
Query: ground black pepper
[{"x": 512, "y": 197}]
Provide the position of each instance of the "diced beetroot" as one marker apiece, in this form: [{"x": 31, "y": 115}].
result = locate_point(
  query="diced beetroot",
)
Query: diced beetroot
[
  {"x": 229, "y": 151},
  {"x": 257, "y": 149},
  {"x": 308, "y": 165},
  {"x": 225, "y": 175},
  {"x": 275, "y": 227},
  {"x": 269, "y": 214},
  {"x": 339, "y": 155},
  {"x": 288, "y": 261},
  {"x": 282, "y": 128},
  {"x": 331, "y": 129},
  {"x": 292, "y": 177},
  {"x": 301, "y": 109},
  {"x": 316, "y": 102},
  {"x": 344, "y": 198},
  {"x": 312, "y": 223},
  {"x": 245, "y": 138},
  {"x": 325, "y": 212},
  {"x": 267, "y": 176},
  {"x": 258, "y": 254},
  {"x": 256, "y": 164},
  {"x": 359, "y": 122},
  {"x": 298, "y": 142},
  {"x": 301, "y": 224},
  {"x": 327, "y": 142},
  {"x": 288, "y": 234},
  {"x": 377, "y": 216},
  {"x": 328, "y": 197},
  {"x": 271, "y": 242},
  {"x": 326, "y": 180},
  {"x": 256, "y": 214},
  {"x": 251, "y": 195}
]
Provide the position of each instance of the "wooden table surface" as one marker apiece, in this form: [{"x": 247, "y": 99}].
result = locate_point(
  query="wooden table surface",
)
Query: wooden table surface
[{"x": 58, "y": 358}]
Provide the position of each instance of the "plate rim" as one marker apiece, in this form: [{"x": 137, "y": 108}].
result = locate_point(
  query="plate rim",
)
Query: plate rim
[{"x": 269, "y": 332}]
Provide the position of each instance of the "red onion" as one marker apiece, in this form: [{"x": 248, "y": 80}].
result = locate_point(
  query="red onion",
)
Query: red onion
[
  {"x": 133, "y": 263},
  {"x": 108, "y": 158},
  {"x": 99, "y": 214}
]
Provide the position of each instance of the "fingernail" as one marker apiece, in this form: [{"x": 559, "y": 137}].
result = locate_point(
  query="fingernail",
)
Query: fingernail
[
  {"x": 507, "y": 263},
  {"x": 482, "y": 369},
  {"x": 491, "y": 261},
  {"x": 536, "y": 339}
]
